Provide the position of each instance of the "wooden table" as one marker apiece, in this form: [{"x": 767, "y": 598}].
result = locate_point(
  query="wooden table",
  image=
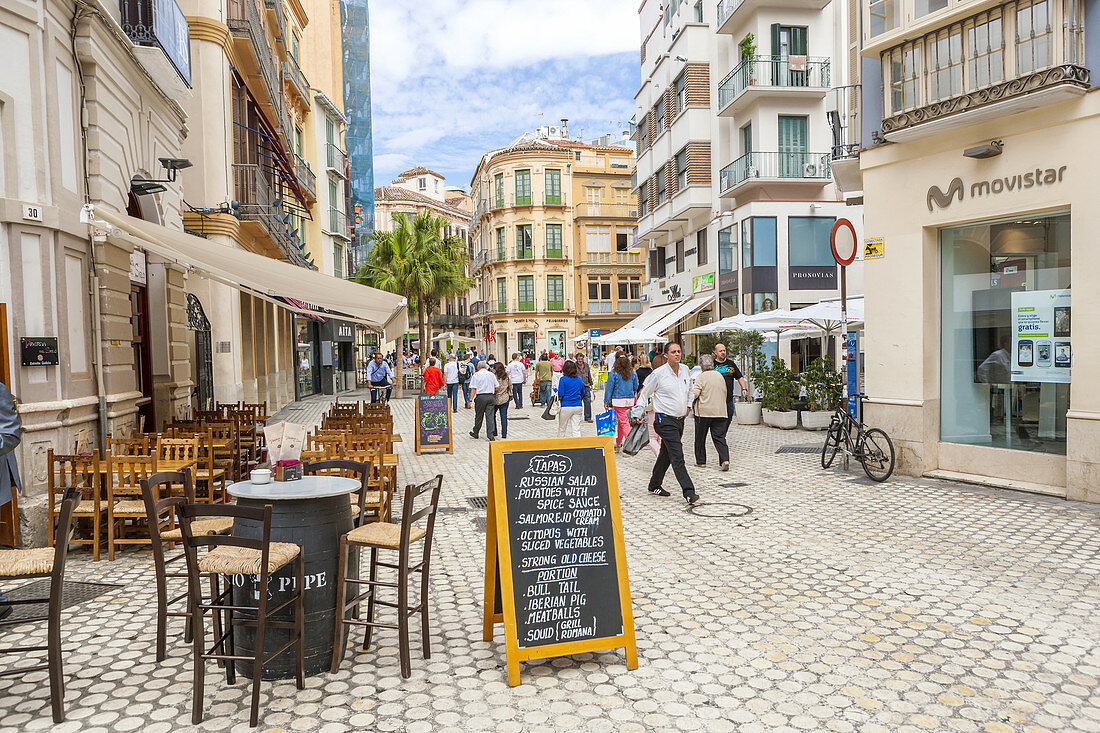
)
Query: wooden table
[{"x": 313, "y": 513}]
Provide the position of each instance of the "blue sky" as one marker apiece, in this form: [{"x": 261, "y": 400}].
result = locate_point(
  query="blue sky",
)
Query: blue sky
[{"x": 452, "y": 79}]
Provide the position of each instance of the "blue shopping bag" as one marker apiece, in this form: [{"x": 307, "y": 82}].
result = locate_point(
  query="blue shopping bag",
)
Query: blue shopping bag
[{"x": 605, "y": 423}]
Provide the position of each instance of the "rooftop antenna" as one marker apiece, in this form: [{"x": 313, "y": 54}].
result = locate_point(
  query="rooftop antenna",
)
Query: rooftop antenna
[{"x": 565, "y": 127}]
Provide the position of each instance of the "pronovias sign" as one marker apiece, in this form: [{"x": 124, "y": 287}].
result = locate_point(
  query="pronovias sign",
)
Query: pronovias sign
[{"x": 994, "y": 186}]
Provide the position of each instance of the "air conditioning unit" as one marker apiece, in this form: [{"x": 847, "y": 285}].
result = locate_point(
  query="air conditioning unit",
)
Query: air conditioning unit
[
  {"x": 753, "y": 172},
  {"x": 809, "y": 170}
]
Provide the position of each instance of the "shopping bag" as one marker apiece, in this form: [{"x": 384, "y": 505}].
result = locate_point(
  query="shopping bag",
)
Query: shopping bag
[
  {"x": 605, "y": 423},
  {"x": 636, "y": 439},
  {"x": 550, "y": 413},
  {"x": 637, "y": 413}
]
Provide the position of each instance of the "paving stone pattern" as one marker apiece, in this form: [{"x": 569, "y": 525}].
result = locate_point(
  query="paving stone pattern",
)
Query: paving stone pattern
[{"x": 791, "y": 598}]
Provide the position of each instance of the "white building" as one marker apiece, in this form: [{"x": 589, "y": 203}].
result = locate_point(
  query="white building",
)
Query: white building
[{"x": 736, "y": 201}]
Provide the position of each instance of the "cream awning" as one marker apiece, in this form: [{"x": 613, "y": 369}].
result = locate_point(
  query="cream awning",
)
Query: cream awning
[
  {"x": 263, "y": 276},
  {"x": 679, "y": 313},
  {"x": 651, "y": 315}
]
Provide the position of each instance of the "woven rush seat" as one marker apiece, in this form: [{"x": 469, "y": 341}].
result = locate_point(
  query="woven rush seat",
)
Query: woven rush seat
[
  {"x": 217, "y": 525},
  {"x": 129, "y": 508},
  {"x": 382, "y": 534},
  {"x": 86, "y": 508},
  {"x": 227, "y": 560},
  {"x": 14, "y": 563}
]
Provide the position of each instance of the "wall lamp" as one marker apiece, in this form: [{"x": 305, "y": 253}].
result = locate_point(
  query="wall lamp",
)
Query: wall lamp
[
  {"x": 148, "y": 186},
  {"x": 991, "y": 149}
]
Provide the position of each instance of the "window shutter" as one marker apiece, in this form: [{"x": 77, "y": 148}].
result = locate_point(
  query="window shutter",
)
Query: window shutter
[
  {"x": 798, "y": 41},
  {"x": 775, "y": 39}
]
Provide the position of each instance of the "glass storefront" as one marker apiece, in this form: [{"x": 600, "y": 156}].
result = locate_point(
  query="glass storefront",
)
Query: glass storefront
[
  {"x": 307, "y": 356},
  {"x": 1005, "y": 327}
]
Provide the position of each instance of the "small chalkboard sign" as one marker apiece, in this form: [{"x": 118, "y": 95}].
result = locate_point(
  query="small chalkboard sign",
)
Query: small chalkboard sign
[
  {"x": 40, "y": 351},
  {"x": 555, "y": 563},
  {"x": 433, "y": 423}
]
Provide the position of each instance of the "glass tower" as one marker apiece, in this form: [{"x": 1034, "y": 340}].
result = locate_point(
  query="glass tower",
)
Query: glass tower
[{"x": 355, "y": 32}]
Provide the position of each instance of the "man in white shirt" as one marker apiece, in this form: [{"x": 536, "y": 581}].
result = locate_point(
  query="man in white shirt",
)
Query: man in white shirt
[
  {"x": 609, "y": 360},
  {"x": 450, "y": 378},
  {"x": 670, "y": 387},
  {"x": 517, "y": 374},
  {"x": 482, "y": 386}
]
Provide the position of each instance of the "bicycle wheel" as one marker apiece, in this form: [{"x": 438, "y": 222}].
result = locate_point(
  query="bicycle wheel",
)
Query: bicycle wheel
[
  {"x": 832, "y": 444},
  {"x": 876, "y": 453}
]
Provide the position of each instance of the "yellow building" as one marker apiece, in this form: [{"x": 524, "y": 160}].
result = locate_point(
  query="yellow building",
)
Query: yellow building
[{"x": 530, "y": 237}]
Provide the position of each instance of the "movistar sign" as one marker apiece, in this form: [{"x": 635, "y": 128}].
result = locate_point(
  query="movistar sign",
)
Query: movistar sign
[{"x": 1028, "y": 179}]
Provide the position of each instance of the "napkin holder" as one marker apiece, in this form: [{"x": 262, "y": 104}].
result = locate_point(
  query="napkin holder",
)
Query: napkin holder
[{"x": 288, "y": 471}]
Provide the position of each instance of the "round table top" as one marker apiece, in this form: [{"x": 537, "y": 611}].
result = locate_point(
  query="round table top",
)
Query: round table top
[{"x": 308, "y": 487}]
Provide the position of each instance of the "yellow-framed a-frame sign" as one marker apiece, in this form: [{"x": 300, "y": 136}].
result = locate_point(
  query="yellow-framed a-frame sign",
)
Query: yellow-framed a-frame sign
[{"x": 555, "y": 559}]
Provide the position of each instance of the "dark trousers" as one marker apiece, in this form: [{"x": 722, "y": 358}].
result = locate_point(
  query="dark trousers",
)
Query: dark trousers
[
  {"x": 502, "y": 414},
  {"x": 452, "y": 392},
  {"x": 716, "y": 426},
  {"x": 670, "y": 429},
  {"x": 465, "y": 391},
  {"x": 517, "y": 393},
  {"x": 544, "y": 392},
  {"x": 587, "y": 401},
  {"x": 483, "y": 403}
]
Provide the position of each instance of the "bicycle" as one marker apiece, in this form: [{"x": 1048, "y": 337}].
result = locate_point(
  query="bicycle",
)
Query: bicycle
[{"x": 872, "y": 447}]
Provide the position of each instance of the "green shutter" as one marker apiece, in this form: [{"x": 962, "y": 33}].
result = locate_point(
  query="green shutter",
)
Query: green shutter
[
  {"x": 775, "y": 39},
  {"x": 798, "y": 41}
]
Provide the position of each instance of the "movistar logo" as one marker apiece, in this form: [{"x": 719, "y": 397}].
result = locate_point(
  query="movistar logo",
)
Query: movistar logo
[{"x": 944, "y": 199}]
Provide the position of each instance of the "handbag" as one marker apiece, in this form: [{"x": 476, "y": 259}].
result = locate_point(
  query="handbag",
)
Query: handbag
[
  {"x": 636, "y": 439},
  {"x": 555, "y": 405},
  {"x": 550, "y": 413}
]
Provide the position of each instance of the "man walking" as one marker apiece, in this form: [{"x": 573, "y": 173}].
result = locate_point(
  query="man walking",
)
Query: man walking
[
  {"x": 483, "y": 385},
  {"x": 709, "y": 400},
  {"x": 380, "y": 377},
  {"x": 450, "y": 377},
  {"x": 733, "y": 376},
  {"x": 517, "y": 375},
  {"x": 465, "y": 371},
  {"x": 11, "y": 432},
  {"x": 544, "y": 375},
  {"x": 612, "y": 357},
  {"x": 670, "y": 386},
  {"x": 584, "y": 371}
]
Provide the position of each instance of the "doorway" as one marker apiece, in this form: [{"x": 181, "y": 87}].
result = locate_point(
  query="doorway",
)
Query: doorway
[
  {"x": 527, "y": 342},
  {"x": 204, "y": 354},
  {"x": 143, "y": 360}
]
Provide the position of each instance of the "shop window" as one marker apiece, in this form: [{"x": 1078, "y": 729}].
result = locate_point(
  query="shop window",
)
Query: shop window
[
  {"x": 727, "y": 256},
  {"x": 763, "y": 302},
  {"x": 808, "y": 241},
  {"x": 758, "y": 242},
  {"x": 1006, "y": 353}
]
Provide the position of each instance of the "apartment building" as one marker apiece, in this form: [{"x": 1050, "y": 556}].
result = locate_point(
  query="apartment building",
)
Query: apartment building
[
  {"x": 422, "y": 189},
  {"x": 531, "y": 233},
  {"x": 736, "y": 201},
  {"x": 973, "y": 155}
]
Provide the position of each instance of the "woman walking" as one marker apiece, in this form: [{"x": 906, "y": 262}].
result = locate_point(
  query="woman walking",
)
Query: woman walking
[
  {"x": 621, "y": 393},
  {"x": 570, "y": 391},
  {"x": 501, "y": 397},
  {"x": 642, "y": 368}
]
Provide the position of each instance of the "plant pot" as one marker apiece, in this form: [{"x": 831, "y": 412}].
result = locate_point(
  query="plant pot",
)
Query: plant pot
[
  {"x": 783, "y": 420},
  {"x": 816, "y": 419},
  {"x": 747, "y": 413}
]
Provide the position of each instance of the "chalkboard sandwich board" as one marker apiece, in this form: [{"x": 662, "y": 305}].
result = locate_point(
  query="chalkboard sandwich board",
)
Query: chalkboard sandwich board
[
  {"x": 555, "y": 561},
  {"x": 433, "y": 423}
]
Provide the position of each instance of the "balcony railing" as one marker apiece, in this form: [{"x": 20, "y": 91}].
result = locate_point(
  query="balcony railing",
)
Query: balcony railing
[
  {"x": 606, "y": 211},
  {"x": 160, "y": 23},
  {"x": 726, "y": 8},
  {"x": 244, "y": 21},
  {"x": 772, "y": 71},
  {"x": 606, "y": 307},
  {"x": 452, "y": 320},
  {"x": 477, "y": 308},
  {"x": 337, "y": 159},
  {"x": 554, "y": 253},
  {"x": 293, "y": 73},
  {"x": 338, "y": 223},
  {"x": 613, "y": 258},
  {"x": 843, "y": 115},
  {"x": 799, "y": 166},
  {"x": 630, "y": 306},
  {"x": 280, "y": 17},
  {"x": 600, "y": 306},
  {"x": 252, "y": 189},
  {"x": 306, "y": 177}
]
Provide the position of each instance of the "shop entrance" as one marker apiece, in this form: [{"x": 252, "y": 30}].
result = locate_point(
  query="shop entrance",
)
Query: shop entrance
[
  {"x": 204, "y": 357},
  {"x": 527, "y": 342}
]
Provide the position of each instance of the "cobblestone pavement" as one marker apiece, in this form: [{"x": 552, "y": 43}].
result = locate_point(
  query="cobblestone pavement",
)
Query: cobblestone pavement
[{"x": 791, "y": 598}]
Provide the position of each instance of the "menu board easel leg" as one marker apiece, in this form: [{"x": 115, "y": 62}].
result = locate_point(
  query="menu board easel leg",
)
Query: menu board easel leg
[{"x": 490, "y": 616}]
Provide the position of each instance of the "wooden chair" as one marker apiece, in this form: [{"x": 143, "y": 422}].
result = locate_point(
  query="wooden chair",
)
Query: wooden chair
[
  {"x": 396, "y": 537},
  {"x": 344, "y": 409},
  {"x": 366, "y": 503},
  {"x": 125, "y": 505},
  {"x": 227, "y": 454},
  {"x": 259, "y": 410},
  {"x": 175, "y": 454},
  {"x": 161, "y": 493},
  {"x": 332, "y": 446},
  {"x": 138, "y": 445},
  {"x": 83, "y": 473},
  {"x": 228, "y": 556},
  {"x": 43, "y": 563},
  {"x": 207, "y": 472},
  {"x": 210, "y": 415}
]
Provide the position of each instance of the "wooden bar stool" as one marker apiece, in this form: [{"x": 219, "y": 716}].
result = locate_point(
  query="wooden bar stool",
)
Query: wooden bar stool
[
  {"x": 44, "y": 563},
  {"x": 161, "y": 493},
  {"x": 386, "y": 536},
  {"x": 228, "y": 556}
]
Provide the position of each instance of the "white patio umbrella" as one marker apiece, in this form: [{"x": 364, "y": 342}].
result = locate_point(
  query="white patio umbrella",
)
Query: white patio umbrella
[
  {"x": 825, "y": 315},
  {"x": 629, "y": 335},
  {"x": 732, "y": 323}
]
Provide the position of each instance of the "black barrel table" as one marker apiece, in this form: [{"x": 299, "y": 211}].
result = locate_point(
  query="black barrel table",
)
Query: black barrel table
[{"x": 312, "y": 513}]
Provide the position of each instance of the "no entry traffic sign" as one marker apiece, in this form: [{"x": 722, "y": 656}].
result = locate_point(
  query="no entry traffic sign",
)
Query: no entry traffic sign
[{"x": 843, "y": 242}]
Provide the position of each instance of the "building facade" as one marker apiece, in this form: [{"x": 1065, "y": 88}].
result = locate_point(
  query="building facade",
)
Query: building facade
[
  {"x": 530, "y": 234},
  {"x": 978, "y": 363},
  {"x": 354, "y": 40},
  {"x": 94, "y": 334},
  {"x": 735, "y": 197},
  {"x": 422, "y": 189}
]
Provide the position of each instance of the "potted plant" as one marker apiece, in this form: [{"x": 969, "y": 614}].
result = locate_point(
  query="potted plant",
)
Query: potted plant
[
  {"x": 747, "y": 48},
  {"x": 745, "y": 347},
  {"x": 823, "y": 391},
  {"x": 778, "y": 387}
]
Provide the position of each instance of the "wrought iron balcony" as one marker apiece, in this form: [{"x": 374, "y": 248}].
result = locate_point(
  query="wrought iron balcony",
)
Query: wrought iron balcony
[
  {"x": 773, "y": 72},
  {"x": 774, "y": 166},
  {"x": 253, "y": 190},
  {"x": 337, "y": 160},
  {"x": 338, "y": 223},
  {"x": 452, "y": 320},
  {"x": 160, "y": 24},
  {"x": 306, "y": 177},
  {"x": 298, "y": 82}
]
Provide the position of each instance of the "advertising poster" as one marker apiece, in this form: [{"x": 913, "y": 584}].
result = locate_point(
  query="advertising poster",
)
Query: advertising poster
[
  {"x": 702, "y": 283},
  {"x": 1041, "y": 346}
]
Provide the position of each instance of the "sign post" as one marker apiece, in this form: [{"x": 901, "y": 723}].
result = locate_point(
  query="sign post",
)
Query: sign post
[
  {"x": 555, "y": 560},
  {"x": 843, "y": 243}
]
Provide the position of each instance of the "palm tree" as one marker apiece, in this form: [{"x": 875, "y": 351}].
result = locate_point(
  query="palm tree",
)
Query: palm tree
[{"x": 415, "y": 260}]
